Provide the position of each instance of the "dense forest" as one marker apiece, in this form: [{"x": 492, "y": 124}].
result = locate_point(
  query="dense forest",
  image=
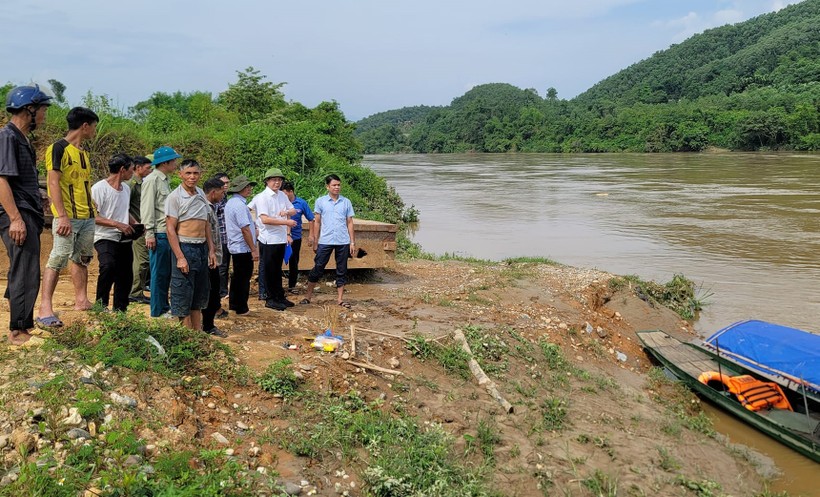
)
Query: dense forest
[
  {"x": 754, "y": 85},
  {"x": 246, "y": 129}
]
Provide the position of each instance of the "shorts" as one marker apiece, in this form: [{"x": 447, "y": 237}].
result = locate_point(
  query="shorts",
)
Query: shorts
[
  {"x": 190, "y": 291},
  {"x": 78, "y": 246}
]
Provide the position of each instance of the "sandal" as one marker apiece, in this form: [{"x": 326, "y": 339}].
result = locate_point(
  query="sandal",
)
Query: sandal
[
  {"x": 222, "y": 315},
  {"x": 346, "y": 305},
  {"x": 49, "y": 322},
  {"x": 304, "y": 301}
]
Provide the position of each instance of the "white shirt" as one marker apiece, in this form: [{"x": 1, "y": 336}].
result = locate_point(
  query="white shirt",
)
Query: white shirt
[
  {"x": 111, "y": 204},
  {"x": 271, "y": 204}
]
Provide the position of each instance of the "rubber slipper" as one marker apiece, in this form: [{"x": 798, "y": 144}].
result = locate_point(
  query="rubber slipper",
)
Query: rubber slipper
[
  {"x": 304, "y": 301},
  {"x": 49, "y": 322},
  {"x": 346, "y": 305}
]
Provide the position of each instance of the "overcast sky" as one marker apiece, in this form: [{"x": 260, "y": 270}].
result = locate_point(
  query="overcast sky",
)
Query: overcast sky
[{"x": 368, "y": 55}]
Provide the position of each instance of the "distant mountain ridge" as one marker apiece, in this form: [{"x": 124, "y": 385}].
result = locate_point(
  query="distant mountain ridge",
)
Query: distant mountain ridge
[{"x": 748, "y": 86}]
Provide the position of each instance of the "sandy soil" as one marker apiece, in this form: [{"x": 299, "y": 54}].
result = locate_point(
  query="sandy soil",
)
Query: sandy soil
[{"x": 532, "y": 302}]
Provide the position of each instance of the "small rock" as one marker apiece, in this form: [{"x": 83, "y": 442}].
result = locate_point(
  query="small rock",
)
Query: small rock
[
  {"x": 211, "y": 405},
  {"x": 394, "y": 363},
  {"x": 8, "y": 479},
  {"x": 123, "y": 400},
  {"x": 78, "y": 434},
  {"x": 563, "y": 326},
  {"x": 22, "y": 439},
  {"x": 217, "y": 391},
  {"x": 74, "y": 418},
  {"x": 241, "y": 425},
  {"x": 298, "y": 375},
  {"x": 307, "y": 367},
  {"x": 617, "y": 314},
  {"x": 229, "y": 452},
  {"x": 345, "y": 355},
  {"x": 621, "y": 356},
  {"x": 92, "y": 428},
  {"x": 38, "y": 414},
  {"x": 150, "y": 449},
  {"x": 132, "y": 460},
  {"x": 289, "y": 488},
  {"x": 4, "y": 441},
  {"x": 219, "y": 438},
  {"x": 254, "y": 451},
  {"x": 262, "y": 470},
  {"x": 601, "y": 332}
]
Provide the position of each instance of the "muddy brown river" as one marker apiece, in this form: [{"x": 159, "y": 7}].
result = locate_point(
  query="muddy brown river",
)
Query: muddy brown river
[{"x": 744, "y": 227}]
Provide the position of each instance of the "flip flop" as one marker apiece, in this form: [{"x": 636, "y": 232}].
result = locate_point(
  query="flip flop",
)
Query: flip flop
[
  {"x": 346, "y": 305},
  {"x": 304, "y": 301},
  {"x": 49, "y": 322}
]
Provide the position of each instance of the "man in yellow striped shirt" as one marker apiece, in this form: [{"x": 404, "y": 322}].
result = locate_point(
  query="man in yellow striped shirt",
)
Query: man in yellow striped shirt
[{"x": 69, "y": 189}]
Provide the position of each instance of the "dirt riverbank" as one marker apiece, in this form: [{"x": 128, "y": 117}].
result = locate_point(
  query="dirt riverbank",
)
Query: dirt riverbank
[{"x": 591, "y": 422}]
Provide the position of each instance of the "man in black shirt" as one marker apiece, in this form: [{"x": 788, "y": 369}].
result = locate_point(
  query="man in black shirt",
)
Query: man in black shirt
[{"x": 21, "y": 208}]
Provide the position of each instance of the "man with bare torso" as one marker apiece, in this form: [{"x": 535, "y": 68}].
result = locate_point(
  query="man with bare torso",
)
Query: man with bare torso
[{"x": 192, "y": 246}]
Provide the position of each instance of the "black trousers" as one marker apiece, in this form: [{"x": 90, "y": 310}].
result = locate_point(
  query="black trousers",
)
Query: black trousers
[
  {"x": 116, "y": 260},
  {"x": 224, "y": 270},
  {"x": 24, "y": 270},
  {"x": 293, "y": 265},
  {"x": 272, "y": 256},
  {"x": 209, "y": 312},
  {"x": 240, "y": 282}
]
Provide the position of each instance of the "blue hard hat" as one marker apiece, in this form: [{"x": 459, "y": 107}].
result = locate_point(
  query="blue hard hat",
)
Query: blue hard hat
[
  {"x": 164, "y": 154},
  {"x": 21, "y": 96}
]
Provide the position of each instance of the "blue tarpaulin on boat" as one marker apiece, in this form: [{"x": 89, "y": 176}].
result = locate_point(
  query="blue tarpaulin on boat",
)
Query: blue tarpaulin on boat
[{"x": 771, "y": 349}]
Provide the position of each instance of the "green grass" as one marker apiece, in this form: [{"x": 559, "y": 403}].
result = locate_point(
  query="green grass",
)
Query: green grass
[
  {"x": 402, "y": 455},
  {"x": 489, "y": 349},
  {"x": 121, "y": 339},
  {"x": 680, "y": 403},
  {"x": 554, "y": 413},
  {"x": 279, "y": 379},
  {"x": 678, "y": 294}
]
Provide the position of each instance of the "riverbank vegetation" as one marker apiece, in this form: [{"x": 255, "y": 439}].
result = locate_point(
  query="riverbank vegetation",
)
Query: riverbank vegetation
[
  {"x": 754, "y": 85},
  {"x": 246, "y": 129}
]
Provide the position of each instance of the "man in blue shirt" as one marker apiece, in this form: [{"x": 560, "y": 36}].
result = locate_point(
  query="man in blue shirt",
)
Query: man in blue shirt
[
  {"x": 334, "y": 225},
  {"x": 302, "y": 209},
  {"x": 241, "y": 233}
]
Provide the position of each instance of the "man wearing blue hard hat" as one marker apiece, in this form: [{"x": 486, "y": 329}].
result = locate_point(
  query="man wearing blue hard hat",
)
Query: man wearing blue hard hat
[
  {"x": 155, "y": 189},
  {"x": 21, "y": 208}
]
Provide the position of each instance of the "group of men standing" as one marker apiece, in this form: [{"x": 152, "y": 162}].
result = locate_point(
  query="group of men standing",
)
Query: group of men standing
[{"x": 181, "y": 241}]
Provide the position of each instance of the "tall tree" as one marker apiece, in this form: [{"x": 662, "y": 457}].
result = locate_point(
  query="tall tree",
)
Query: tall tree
[
  {"x": 58, "y": 89},
  {"x": 251, "y": 97}
]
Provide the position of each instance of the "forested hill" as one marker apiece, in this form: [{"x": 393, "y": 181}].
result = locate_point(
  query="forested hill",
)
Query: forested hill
[{"x": 749, "y": 86}]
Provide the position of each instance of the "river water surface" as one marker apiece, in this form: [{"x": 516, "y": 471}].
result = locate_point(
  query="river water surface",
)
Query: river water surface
[{"x": 744, "y": 227}]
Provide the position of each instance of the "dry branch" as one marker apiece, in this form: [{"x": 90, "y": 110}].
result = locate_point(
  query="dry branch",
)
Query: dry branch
[
  {"x": 482, "y": 377},
  {"x": 375, "y": 368}
]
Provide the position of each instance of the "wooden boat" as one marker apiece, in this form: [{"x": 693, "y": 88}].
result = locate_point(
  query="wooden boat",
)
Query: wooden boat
[{"x": 793, "y": 421}]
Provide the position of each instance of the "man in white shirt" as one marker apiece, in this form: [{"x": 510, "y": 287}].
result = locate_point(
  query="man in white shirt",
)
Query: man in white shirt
[
  {"x": 113, "y": 232},
  {"x": 273, "y": 211}
]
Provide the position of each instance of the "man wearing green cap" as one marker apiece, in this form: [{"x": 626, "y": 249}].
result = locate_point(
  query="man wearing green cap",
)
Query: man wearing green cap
[
  {"x": 241, "y": 243},
  {"x": 273, "y": 211},
  {"x": 155, "y": 189}
]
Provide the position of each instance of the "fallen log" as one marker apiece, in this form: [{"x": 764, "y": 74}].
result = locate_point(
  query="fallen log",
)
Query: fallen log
[{"x": 482, "y": 377}]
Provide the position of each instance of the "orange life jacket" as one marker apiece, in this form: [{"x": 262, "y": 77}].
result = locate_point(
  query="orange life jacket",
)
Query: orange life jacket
[{"x": 752, "y": 393}]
